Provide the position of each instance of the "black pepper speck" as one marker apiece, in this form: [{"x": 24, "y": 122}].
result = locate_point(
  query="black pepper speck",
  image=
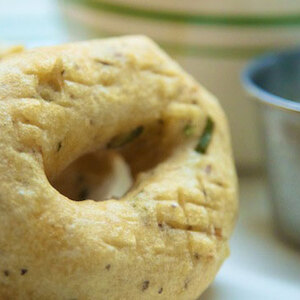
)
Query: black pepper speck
[
  {"x": 160, "y": 290},
  {"x": 197, "y": 256},
  {"x": 103, "y": 62},
  {"x": 145, "y": 285},
  {"x": 107, "y": 267},
  {"x": 186, "y": 284},
  {"x": 6, "y": 273},
  {"x": 24, "y": 271},
  {"x": 59, "y": 145}
]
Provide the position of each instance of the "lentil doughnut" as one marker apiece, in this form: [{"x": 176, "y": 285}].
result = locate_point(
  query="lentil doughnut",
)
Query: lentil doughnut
[{"x": 168, "y": 235}]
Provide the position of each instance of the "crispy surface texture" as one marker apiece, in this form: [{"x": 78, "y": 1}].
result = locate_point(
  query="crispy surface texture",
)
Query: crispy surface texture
[{"x": 164, "y": 239}]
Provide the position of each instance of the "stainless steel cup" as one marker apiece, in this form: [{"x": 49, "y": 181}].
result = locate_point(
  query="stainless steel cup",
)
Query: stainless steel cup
[{"x": 274, "y": 80}]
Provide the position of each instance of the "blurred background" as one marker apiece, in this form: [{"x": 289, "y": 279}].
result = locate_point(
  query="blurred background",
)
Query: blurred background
[{"x": 213, "y": 40}]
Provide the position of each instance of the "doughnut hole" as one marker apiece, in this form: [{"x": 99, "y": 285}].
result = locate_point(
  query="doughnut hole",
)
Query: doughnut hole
[
  {"x": 111, "y": 172},
  {"x": 98, "y": 176}
]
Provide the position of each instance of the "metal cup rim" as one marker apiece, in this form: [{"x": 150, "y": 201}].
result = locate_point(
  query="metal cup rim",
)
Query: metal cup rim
[{"x": 259, "y": 93}]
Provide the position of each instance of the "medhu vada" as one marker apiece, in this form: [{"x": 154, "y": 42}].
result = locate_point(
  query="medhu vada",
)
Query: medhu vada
[{"x": 66, "y": 112}]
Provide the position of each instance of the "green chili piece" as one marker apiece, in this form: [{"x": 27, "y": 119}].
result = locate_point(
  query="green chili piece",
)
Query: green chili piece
[
  {"x": 206, "y": 136},
  {"x": 124, "y": 139}
]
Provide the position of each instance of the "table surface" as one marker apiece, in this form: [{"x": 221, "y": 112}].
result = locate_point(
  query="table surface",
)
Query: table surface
[{"x": 261, "y": 265}]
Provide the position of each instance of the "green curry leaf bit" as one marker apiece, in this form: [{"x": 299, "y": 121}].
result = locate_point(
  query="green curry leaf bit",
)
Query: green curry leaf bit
[
  {"x": 123, "y": 139},
  {"x": 206, "y": 136}
]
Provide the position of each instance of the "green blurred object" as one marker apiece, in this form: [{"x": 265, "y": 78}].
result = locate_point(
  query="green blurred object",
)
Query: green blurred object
[{"x": 192, "y": 18}]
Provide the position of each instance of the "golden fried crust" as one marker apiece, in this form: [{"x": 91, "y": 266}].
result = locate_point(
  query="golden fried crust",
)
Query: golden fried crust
[
  {"x": 168, "y": 236},
  {"x": 8, "y": 50}
]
